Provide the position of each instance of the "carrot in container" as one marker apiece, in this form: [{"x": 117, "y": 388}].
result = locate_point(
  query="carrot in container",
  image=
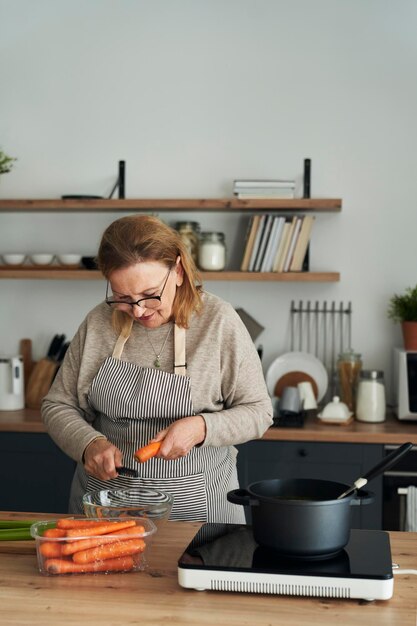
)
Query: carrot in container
[
  {"x": 69, "y": 523},
  {"x": 85, "y": 544},
  {"x": 102, "y": 553},
  {"x": 54, "y": 532},
  {"x": 51, "y": 548},
  {"x": 63, "y": 566},
  {"x": 100, "y": 529}
]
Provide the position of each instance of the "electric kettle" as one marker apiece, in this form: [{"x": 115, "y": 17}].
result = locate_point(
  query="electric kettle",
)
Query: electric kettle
[{"x": 12, "y": 390}]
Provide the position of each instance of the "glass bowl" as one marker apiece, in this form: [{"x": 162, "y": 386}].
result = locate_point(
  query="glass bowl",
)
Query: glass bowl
[
  {"x": 92, "y": 546},
  {"x": 140, "y": 502}
]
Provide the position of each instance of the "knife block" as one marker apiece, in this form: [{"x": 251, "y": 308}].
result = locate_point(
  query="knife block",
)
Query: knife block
[{"x": 40, "y": 380}]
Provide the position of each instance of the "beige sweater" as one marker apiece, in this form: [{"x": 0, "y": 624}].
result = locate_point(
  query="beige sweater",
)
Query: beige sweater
[{"x": 227, "y": 382}]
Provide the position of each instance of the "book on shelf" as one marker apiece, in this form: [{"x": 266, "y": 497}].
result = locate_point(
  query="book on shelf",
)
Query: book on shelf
[
  {"x": 265, "y": 194},
  {"x": 263, "y": 242},
  {"x": 303, "y": 240},
  {"x": 264, "y": 189},
  {"x": 292, "y": 222},
  {"x": 258, "y": 237},
  {"x": 293, "y": 241},
  {"x": 278, "y": 262},
  {"x": 261, "y": 184},
  {"x": 250, "y": 240},
  {"x": 270, "y": 251}
]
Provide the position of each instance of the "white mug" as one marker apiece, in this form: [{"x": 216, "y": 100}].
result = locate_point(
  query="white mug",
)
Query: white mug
[
  {"x": 12, "y": 391},
  {"x": 290, "y": 401},
  {"x": 307, "y": 395}
]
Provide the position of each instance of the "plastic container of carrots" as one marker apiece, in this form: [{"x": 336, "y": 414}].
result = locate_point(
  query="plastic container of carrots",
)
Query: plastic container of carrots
[{"x": 91, "y": 546}]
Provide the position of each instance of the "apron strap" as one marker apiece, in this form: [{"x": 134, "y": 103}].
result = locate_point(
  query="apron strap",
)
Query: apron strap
[
  {"x": 180, "y": 365},
  {"x": 122, "y": 338}
]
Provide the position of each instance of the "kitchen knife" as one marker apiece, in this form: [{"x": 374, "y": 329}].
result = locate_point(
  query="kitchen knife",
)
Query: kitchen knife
[{"x": 55, "y": 347}]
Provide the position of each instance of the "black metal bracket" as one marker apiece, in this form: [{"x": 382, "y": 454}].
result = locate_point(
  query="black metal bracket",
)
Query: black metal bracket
[{"x": 120, "y": 182}]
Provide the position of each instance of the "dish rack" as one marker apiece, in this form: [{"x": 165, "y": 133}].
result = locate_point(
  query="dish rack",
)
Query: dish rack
[{"x": 323, "y": 329}]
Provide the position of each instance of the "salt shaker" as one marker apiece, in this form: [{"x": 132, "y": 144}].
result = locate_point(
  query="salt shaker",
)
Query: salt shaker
[{"x": 370, "y": 401}]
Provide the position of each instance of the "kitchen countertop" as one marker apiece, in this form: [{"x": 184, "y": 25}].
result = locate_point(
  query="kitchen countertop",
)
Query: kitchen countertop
[
  {"x": 155, "y": 597},
  {"x": 392, "y": 431}
]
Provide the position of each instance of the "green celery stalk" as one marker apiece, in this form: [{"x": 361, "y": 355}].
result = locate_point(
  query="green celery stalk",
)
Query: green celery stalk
[
  {"x": 15, "y": 534},
  {"x": 16, "y": 523}
]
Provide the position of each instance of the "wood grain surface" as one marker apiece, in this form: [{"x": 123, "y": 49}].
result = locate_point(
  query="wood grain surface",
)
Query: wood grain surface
[
  {"x": 391, "y": 431},
  {"x": 154, "y": 597}
]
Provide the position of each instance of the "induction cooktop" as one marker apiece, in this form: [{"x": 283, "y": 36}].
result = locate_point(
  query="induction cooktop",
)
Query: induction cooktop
[{"x": 225, "y": 557}]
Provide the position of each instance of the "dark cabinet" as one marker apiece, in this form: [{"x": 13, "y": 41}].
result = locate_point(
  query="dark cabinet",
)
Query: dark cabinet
[
  {"x": 341, "y": 462},
  {"x": 35, "y": 474}
]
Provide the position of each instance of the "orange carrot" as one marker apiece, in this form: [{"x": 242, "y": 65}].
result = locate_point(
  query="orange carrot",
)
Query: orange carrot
[
  {"x": 147, "y": 452},
  {"x": 133, "y": 530},
  {"x": 68, "y": 523},
  {"x": 109, "y": 551},
  {"x": 51, "y": 548},
  {"x": 85, "y": 544},
  {"x": 62, "y": 566},
  {"x": 98, "y": 529},
  {"x": 54, "y": 532}
]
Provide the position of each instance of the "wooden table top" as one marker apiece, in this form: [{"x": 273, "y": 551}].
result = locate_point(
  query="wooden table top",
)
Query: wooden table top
[
  {"x": 392, "y": 431},
  {"x": 154, "y": 597}
]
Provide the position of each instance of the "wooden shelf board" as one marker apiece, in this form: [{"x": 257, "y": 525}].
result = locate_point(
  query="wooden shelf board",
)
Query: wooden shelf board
[
  {"x": 168, "y": 204},
  {"x": 59, "y": 273}
]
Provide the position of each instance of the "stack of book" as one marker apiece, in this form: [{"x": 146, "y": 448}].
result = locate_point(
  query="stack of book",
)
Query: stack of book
[
  {"x": 269, "y": 189},
  {"x": 276, "y": 243}
]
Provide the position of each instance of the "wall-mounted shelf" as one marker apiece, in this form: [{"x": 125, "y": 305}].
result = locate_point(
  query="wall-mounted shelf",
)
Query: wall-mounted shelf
[
  {"x": 58, "y": 273},
  {"x": 319, "y": 205},
  {"x": 158, "y": 205}
]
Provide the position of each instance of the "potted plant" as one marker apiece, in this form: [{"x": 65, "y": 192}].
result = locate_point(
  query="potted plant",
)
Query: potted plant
[
  {"x": 403, "y": 309},
  {"x": 6, "y": 162}
]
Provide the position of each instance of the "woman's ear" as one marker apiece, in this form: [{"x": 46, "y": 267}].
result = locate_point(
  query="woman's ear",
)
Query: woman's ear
[{"x": 179, "y": 271}]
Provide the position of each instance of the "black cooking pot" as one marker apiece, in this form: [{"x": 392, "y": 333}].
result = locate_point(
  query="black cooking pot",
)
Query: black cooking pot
[{"x": 300, "y": 517}]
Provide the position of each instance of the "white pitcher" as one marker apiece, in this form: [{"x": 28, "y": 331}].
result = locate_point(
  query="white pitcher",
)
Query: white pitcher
[{"x": 12, "y": 390}]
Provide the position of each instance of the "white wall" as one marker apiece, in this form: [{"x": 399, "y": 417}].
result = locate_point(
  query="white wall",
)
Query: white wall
[{"x": 193, "y": 94}]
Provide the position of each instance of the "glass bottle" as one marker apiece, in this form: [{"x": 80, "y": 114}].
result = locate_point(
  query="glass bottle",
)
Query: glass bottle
[
  {"x": 349, "y": 364},
  {"x": 370, "y": 399},
  {"x": 212, "y": 252},
  {"x": 189, "y": 232}
]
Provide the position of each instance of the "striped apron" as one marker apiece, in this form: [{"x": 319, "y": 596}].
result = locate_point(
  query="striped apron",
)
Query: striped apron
[{"x": 132, "y": 404}]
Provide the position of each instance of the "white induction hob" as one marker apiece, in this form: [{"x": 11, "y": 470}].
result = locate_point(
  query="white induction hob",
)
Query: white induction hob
[{"x": 225, "y": 557}]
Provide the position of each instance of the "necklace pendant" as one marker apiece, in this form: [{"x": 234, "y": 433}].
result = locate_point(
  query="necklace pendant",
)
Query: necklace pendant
[{"x": 157, "y": 362}]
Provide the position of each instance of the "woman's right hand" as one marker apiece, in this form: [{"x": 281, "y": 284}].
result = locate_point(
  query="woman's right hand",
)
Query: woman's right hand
[{"x": 101, "y": 458}]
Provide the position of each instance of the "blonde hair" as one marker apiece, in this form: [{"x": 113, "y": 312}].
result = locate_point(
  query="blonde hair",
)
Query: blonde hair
[{"x": 136, "y": 238}]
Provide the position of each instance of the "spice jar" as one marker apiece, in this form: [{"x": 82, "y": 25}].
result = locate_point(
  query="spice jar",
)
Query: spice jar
[
  {"x": 212, "y": 252},
  {"x": 349, "y": 365},
  {"x": 370, "y": 399},
  {"x": 189, "y": 232}
]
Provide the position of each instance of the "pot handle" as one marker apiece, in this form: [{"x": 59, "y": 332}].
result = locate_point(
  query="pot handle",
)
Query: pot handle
[
  {"x": 363, "y": 497},
  {"x": 241, "y": 496}
]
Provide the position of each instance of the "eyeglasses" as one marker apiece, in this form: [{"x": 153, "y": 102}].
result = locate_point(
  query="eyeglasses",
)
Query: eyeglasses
[{"x": 150, "y": 302}]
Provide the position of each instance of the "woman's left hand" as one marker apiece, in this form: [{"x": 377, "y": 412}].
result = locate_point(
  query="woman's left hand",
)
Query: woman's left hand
[{"x": 181, "y": 436}]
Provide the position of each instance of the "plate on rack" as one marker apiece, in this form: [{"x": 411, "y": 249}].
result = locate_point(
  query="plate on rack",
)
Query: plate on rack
[{"x": 294, "y": 367}]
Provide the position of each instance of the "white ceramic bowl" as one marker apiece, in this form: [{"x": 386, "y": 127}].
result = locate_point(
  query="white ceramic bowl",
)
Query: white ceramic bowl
[
  {"x": 69, "y": 259},
  {"x": 14, "y": 258},
  {"x": 41, "y": 259}
]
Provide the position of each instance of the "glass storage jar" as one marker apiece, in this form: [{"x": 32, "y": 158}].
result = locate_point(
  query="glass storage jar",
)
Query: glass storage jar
[
  {"x": 370, "y": 399},
  {"x": 212, "y": 251},
  {"x": 349, "y": 364},
  {"x": 189, "y": 232}
]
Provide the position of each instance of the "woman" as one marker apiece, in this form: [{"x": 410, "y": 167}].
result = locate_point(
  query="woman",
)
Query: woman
[{"x": 161, "y": 360}]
